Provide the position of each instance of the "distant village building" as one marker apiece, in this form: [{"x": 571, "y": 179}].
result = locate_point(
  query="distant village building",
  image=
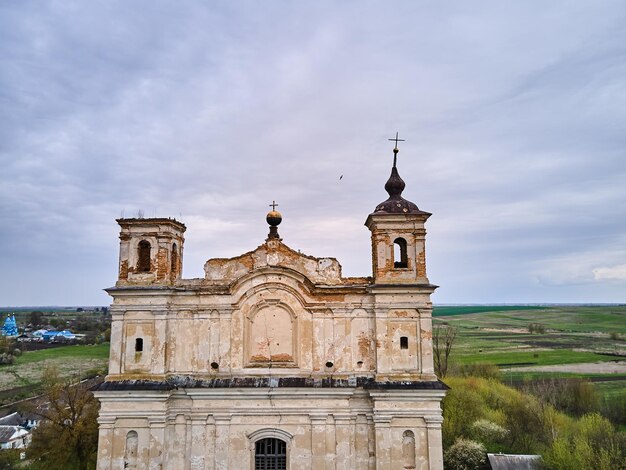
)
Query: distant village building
[
  {"x": 15, "y": 431},
  {"x": 10, "y": 326},
  {"x": 53, "y": 335},
  {"x": 272, "y": 360}
]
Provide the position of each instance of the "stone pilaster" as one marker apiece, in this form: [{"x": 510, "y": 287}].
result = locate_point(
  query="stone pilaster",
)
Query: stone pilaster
[
  {"x": 435, "y": 445},
  {"x": 383, "y": 442}
]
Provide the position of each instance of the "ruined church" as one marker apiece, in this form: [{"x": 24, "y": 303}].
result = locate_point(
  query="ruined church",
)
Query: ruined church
[{"x": 272, "y": 360}]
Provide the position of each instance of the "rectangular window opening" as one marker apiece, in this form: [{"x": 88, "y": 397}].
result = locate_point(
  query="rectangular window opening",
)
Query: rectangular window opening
[{"x": 404, "y": 342}]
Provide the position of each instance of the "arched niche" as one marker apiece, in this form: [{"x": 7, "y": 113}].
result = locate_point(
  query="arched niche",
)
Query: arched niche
[
  {"x": 408, "y": 450},
  {"x": 272, "y": 332},
  {"x": 131, "y": 449}
]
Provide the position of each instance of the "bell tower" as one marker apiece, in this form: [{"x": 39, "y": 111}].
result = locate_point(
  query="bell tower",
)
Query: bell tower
[
  {"x": 398, "y": 235},
  {"x": 401, "y": 288},
  {"x": 151, "y": 251}
]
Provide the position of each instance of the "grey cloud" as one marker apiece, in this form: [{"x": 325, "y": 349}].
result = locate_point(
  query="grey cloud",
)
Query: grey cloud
[{"x": 513, "y": 115}]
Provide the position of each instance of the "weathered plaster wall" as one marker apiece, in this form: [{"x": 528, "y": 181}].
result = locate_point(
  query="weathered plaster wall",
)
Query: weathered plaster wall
[
  {"x": 303, "y": 334},
  {"x": 324, "y": 429}
]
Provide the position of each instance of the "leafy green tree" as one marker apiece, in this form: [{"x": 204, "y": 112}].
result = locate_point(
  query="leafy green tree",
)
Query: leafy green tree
[
  {"x": 462, "y": 406},
  {"x": 594, "y": 444},
  {"x": 67, "y": 438}
]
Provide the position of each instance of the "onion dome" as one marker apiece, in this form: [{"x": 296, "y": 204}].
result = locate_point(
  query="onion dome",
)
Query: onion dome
[
  {"x": 273, "y": 218},
  {"x": 394, "y": 186}
]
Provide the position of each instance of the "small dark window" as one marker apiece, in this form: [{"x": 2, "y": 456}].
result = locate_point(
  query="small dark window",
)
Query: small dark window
[
  {"x": 404, "y": 342},
  {"x": 138, "y": 344},
  {"x": 174, "y": 267},
  {"x": 143, "y": 256},
  {"x": 399, "y": 253},
  {"x": 270, "y": 454}
]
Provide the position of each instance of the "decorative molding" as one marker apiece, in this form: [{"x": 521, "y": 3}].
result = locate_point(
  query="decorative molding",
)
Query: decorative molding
[{"x": 271, "y": 433}]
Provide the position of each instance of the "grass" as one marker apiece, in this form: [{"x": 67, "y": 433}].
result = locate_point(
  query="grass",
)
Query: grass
[
  {"x": 614, "y": 389},
  {"x": 78, "y": 351},
  {"x": 572, "y": 334},
  {"x": 570, "y": 319},
  {"x": 23, "y": 377},
  {"x": 444, "y": 311},
  {"x": 527, "y": 358}
]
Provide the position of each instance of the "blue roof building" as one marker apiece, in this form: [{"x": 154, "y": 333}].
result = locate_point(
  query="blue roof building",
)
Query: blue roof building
[{"x": 10, "y": 326}]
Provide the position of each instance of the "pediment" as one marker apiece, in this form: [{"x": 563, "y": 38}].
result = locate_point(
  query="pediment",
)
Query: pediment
[{"x": 274, "y": 253}]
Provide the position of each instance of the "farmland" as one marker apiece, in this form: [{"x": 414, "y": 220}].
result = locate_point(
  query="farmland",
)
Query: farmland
[
  {"x": 23, "y": 378},
  {"x": 567, "y": 341}
]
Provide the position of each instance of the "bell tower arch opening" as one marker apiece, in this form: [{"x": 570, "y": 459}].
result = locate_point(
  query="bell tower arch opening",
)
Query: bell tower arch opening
[
  {"x": 400, "y": 259},
  {"x": 143, "y": 256}
]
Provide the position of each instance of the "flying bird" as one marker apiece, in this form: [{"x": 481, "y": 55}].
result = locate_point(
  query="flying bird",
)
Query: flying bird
[{"x": 340, "y": 177}]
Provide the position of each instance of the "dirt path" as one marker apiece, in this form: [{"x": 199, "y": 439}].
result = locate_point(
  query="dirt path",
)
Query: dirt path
[{"x": 617, "y": 367}]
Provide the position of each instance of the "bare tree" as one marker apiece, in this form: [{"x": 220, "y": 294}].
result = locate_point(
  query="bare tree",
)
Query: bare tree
[{"x": 443, "y": 340}]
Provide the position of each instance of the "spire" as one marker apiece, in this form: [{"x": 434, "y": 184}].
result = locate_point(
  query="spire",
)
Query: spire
[{"x": 394, "y": 187}]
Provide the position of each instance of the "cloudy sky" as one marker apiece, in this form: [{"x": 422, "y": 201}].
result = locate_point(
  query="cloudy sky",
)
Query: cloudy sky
[{"x": 514, "y": 115}]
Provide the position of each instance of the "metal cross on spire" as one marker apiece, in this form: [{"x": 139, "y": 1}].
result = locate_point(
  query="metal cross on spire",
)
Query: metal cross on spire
[
  {"x": 273, "y": 205},
  {"x": 395, "y": 149}
]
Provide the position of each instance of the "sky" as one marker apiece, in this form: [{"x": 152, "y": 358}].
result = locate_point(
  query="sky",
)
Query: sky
[{"x": 514, "y": 116}]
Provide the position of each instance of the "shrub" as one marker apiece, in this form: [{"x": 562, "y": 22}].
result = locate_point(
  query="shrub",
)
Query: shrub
[
  {"x": 17, "y": 352},
  {"x": 536, "y": 328},
  {"x": 481, "y": 409},
  {"x": 488, "y": 432},
  {"x": 6, "y": 359},
  {"x": 465, "y": 455}
]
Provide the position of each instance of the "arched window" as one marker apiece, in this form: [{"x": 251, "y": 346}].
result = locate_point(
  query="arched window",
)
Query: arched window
[
  {"x": 399, "y": 253},
  {"x": 143, "y": 256},
  {"x": 174, "y": 266},
  {"x": 130, "y": 453},
  {"x": 270, "y": 454},
  {"x": 408, "y": 449}
]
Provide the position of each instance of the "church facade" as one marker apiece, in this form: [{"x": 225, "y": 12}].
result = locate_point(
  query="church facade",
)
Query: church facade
[{"x": 273, "y": 360}]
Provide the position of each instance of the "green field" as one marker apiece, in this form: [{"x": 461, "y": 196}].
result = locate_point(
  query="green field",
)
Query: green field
[
  {"x": 446, "y": 310},
  {"x": 570, "y": 335},
  {"x": 23, "y": 377},
  {"x": 78, "y": 351}
]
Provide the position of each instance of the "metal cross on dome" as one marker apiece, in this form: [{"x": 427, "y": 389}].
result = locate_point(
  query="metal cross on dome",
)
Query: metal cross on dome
[
  {"x": 396, "y": 140},
  {"x": 395, "y": 149},
  {"x": 273, "y": 205}
]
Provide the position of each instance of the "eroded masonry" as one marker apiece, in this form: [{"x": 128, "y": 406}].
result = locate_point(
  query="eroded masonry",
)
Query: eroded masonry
[{"x": 273, "y": 360}]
